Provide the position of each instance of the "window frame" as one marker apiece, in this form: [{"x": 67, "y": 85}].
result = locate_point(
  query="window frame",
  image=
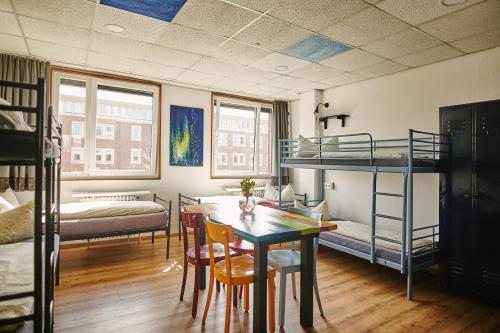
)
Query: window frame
[
  {"x": 132, "y": 133},
  {"x": 235, "y": 99},
  {"x": 135, "y": 150},
  {"x": 92, "y": 81}
]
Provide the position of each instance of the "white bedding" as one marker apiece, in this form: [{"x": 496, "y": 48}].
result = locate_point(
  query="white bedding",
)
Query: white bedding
[
  {"x": 362, "y": 232},
  {"x": 93, "y": 209},
  {"x": 364, "y": 154},
  {"x": 13, "y": 120},
  {"x": 16, "y": 275}
]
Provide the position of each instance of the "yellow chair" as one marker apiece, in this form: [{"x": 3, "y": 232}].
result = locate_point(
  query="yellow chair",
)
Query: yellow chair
[{"x": 233, "y": 271}]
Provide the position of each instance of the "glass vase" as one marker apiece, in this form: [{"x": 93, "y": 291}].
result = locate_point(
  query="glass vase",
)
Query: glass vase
[{"x": 247, "y": 203}]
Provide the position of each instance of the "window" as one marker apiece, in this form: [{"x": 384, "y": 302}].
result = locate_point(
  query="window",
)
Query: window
[
  {"x": 135, "y": 155},
  {"x": 104, "y": 131},
  {"x": 247, "y": 124},
  {"x": 77, "y": 129},
  {"x": 222, "y": 159},
  {"x": 135, "y": 133},
  {"x": 113, "y": 122},
  {"x": 76, "y": 156}
]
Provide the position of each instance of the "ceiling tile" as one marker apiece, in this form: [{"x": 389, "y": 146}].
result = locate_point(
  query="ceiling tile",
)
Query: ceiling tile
[
  {"x": 188, "y": 39},
  {"x": 5, "y": 6},
  {"x": 171, "y": 57},
  {"x": 274, "y": 60},
  {"x": 12, "y": 44},
  {"x": 428, "y": 56},
  {"x": 76, "y": 13},
  {"x": 137, "y": 27},
  {"x": 383, "y": 68},
  {"x": 112, "y": 44},
  {"x": 351, "y": 60},
  {"x": 470, "y": 21},
  {"x": 254, "y": 75},
  {"x": 318, "y": 14},
  {"x": 55, "y": 52},
  {"x": 368, "y": 25},
  {"x": 418, "y": 11},
  {"x": 197, "y": 78},
  {"x": 479, "y": 42},
  {"x": 402, "y": 43},
  {"x": 310, "y": 85},
  {"x": 111, "y": 62},
  {"x": 285, "y": 82},
  {"x": 55, "y": 32},
  {"x": 272, "y": 33},
  {"x": 231, "y": 84},
  {"x": 315, "y": 72},
  {"x": 316, "y": 48},
  {"x": 214, "y": 16},
  {"x": 343, "y": 79},
  {"x": 263, "y": 90},
  {"x": 158, "y": 71},
  {"x": 239, "y": 53},
  {"x": 259, "y": 5},
  {"x": 162, "y": 10},
  {"x": 216, "y": 66},
  {"x": 8, "y": 24},
  {"x": 289, "y": 95}
]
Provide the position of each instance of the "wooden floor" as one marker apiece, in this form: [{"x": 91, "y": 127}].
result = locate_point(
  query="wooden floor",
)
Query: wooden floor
[{"x": 131, "y": 287}]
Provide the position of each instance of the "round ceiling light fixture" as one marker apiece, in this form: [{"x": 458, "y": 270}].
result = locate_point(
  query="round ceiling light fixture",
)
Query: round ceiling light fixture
[
  {"x": 281, "y": 68},
  {"x": 115, "y": 28},
  {"x": 452, "y": 2}
]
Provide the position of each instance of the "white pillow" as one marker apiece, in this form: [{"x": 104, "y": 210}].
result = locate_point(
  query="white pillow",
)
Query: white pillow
[
  {"x": 288, "y": 194},
  {"x": 330, "y": 145},
  {"x": 321, "y": 208},
  {"x": 5, "y": 205},
  {"x": 270, "y": 193},
  {"x": 12, "y": 120},
  {"x": 305, "y": 148},
  {"x": 10, "y": 196}
]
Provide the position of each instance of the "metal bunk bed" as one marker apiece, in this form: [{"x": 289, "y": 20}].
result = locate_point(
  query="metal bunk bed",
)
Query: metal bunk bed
[
  {"x": 360, "y": 152},
  {"x": 40, "y": 148}
]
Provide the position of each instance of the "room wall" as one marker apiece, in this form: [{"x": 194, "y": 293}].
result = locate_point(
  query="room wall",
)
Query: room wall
[
  {"x": 193, "y": 181},
  {"x": 387, "y": 107}
]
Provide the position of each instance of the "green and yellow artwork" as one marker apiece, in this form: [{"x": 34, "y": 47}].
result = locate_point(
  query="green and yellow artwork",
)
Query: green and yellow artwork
[{"x": 186, "y": 136}]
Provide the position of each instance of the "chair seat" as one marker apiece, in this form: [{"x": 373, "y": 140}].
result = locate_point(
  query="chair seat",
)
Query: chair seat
[
  {"x": 205, "y": 254},
  {"x": 284, "y": 260},
  {"x": 241, "y": 270},
  {"x": 242, "y": 246}
]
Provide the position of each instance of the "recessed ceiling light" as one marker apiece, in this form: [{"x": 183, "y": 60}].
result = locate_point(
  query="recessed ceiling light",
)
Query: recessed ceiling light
[
  {"x": 452, "y": 2},
  {"x": 281, "y": 68},
  {"x": 115, "y": 28}
]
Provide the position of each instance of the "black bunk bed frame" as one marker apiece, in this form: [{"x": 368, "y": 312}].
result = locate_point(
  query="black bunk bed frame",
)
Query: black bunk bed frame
[
  {"x": 40, "y": 148},
  {"x": 424, "y": 151}
]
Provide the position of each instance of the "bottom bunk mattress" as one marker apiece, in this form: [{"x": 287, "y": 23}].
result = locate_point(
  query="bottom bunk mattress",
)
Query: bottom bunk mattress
[{"x": 357, "y": 236}]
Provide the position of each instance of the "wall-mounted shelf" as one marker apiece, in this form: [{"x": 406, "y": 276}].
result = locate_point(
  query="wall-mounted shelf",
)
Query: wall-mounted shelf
[{"x": 342, "y": 118}]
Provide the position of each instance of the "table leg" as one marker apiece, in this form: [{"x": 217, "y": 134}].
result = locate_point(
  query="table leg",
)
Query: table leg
[
  {"x": 260, "y": 289},
  {"x": 203, "y": 270},
  {"x": 306, "y": 282}
]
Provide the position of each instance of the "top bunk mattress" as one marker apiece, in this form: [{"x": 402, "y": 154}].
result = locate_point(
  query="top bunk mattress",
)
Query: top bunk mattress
[{"x": 97, "y": 209}]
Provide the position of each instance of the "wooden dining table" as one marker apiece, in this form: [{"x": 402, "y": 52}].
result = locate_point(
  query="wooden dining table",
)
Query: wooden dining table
[{"x": 263, "y": 227}]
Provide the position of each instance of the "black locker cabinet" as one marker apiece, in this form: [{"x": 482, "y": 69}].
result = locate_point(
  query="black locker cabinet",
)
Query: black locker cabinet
[{"x": 470, "y": 200}]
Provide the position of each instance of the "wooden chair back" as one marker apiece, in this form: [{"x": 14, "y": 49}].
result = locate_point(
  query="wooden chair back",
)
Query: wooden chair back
[
  {"x": 195, "y": 221},
  {"x": 223, "y": 234}
]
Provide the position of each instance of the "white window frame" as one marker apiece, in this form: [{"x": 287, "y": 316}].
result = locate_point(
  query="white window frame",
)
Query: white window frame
[
  {"x": 240, "y": 159},
  {"x": 236, "y": 140},
  {"x": 132, "y": 138},
  {"x": 91, "y": 84},
  {"x": 103, "y": 127},
  {"x": 225, "y": 174},
  {"x": 103, "y": 152},
  {"x": 221, "y": 142},
  {"x": 82, "y": 129},
  {"x": 80, "y": 151},
  {"x": 139, "y": 152}
]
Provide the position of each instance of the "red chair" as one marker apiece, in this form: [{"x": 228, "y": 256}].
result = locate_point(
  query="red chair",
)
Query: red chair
[{"x": 198, "y": 255}]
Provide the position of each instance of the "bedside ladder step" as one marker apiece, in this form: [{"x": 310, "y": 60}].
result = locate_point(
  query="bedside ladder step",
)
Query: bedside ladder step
[
  {"x": 389, "y": 217},
  {"x": 389, "y": 194}
]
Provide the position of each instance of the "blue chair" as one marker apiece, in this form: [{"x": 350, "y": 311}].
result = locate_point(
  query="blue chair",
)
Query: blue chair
[{"x": 288, "y": 261}]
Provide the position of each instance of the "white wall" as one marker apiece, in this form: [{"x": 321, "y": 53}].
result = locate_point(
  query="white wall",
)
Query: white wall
[
  {"x": 387, "y": 107},
  {"x": 193, "y": 181}
]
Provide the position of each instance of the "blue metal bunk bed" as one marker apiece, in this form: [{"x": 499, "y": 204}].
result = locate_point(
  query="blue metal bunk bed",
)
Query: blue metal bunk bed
[
  {"x": 39, "y": 147},
  {"x": 419, "y": 153}
]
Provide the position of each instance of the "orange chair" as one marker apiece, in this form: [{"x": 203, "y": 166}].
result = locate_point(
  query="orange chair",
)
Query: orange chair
[{"x": 233, "y": 271}]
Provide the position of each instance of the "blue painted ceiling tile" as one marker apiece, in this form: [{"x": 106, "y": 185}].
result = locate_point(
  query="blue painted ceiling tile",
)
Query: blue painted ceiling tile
[
  {"x": 164, "y": 10},
  {"x": 316, "y": 48}
]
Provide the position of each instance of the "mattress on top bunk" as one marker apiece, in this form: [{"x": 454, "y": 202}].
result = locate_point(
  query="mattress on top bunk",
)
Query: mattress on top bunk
[
  {"x": 347, "y": 231},
  {"x": 361, "y": 160},
  {"x": 16, "y": 276},
  {"x": 97, "y": 209}
]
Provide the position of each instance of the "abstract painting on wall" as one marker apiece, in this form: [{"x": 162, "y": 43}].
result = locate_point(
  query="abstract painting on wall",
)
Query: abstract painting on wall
[{"x": 186, "y": 136}]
